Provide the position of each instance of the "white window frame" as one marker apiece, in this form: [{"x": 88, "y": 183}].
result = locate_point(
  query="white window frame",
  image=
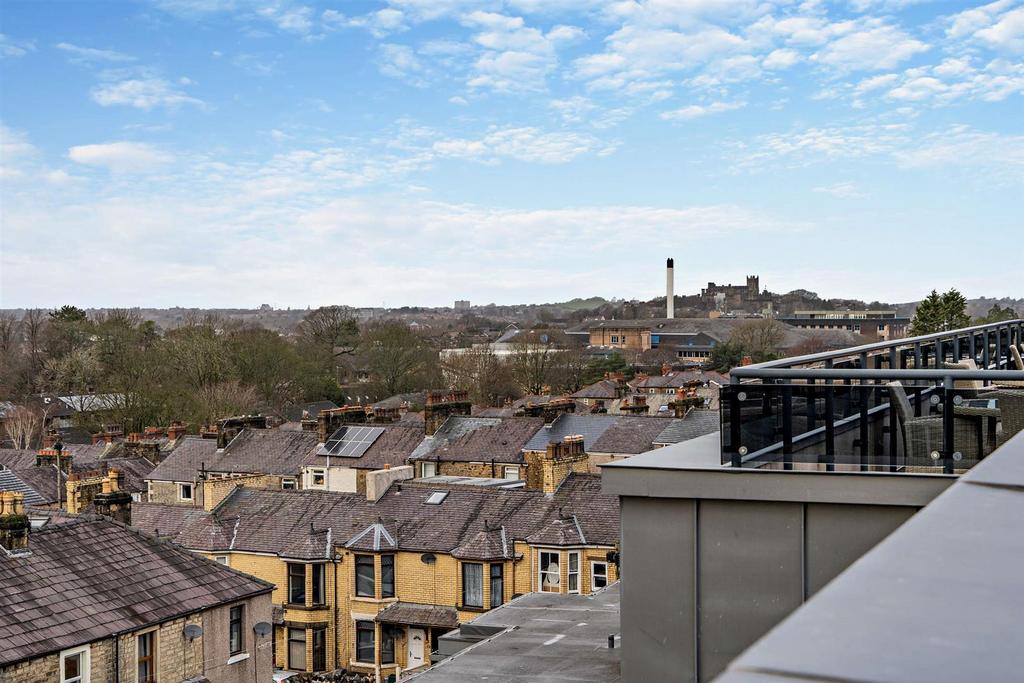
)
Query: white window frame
[
  {"x": 86, "y": 664},
  {"x": 505, "y": 470},
  {"x": 541, "y": 573},
  {"x": 593, "y": 573},
  {"x": 317, "y": 472},
  {"x": 289, "y": 483},
  {"x": 191, "y": 490},
  {"x": 433, "y": 469},
  {"x": 569, "y": 573},
  {"x": 222, "y": 559}
]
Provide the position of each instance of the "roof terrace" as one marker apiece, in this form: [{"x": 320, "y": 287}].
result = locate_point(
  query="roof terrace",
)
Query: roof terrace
[{"x": 819, "y": 458}]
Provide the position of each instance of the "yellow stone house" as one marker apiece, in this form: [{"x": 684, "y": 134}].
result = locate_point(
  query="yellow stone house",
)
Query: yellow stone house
[{"x": 367, "y": 583}]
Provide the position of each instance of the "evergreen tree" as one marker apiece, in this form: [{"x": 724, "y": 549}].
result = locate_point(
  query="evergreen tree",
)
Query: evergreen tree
[
  {"x": 954, "y": 310},
  {"x": 928, "y": 317}
]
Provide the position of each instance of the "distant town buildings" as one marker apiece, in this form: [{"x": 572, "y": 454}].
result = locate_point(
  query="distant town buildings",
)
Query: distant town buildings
[
  {"x": 461, "y": 305},
  {"x": 880, "y": 325}
]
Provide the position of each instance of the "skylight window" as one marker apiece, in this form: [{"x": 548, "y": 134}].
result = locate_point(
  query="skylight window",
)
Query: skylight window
[{"x": 436, "y": 498}]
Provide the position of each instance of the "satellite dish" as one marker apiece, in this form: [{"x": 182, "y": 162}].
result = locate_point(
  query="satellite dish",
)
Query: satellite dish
[
  {"x": 428, "y": 558},
  {"x": 262, "y": 628},
  {"x": 193, "y": 631}
]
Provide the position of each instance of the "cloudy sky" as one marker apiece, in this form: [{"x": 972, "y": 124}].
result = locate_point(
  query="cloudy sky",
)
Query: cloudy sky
[{"x": 293, "y": 152}]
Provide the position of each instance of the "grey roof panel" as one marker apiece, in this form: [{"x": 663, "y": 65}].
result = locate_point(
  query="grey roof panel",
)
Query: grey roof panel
[
  {"x": 696, "y": 423},
  {"x": 11, "y": 482},
  {"x": 590, "y": 426}
]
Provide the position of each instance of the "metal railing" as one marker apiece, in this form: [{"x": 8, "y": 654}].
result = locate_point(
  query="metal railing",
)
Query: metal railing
[{"x": 837, "y": 408}]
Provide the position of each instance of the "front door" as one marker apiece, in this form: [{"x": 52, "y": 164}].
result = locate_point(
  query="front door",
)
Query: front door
[{"x": 417, "y": 638}]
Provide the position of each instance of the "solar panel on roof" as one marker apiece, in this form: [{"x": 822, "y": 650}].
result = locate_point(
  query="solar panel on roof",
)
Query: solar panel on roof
[{"x": 351, "y": 441}]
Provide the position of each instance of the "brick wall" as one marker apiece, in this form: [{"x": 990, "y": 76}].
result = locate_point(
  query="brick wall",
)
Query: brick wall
[{"x": 166, "y": 492}]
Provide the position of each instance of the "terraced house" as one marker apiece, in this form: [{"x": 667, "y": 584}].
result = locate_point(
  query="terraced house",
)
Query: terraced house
[
  {"x": 90, "y": 600},
  {"x": 368, "y": 582}
]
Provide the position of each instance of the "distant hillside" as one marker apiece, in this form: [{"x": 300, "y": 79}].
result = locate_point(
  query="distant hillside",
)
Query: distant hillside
[
  {"x": 976, "y": 308},
  {"x": 579, "y": 304}
]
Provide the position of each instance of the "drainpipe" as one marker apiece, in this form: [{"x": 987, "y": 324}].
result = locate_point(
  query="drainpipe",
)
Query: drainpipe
[
  {"x": 334, "y": 561},
  {"x": 117, "y": 658}
]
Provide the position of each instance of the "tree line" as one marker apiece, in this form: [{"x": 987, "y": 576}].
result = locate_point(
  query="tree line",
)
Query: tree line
[{"x": 210, "y": 367}]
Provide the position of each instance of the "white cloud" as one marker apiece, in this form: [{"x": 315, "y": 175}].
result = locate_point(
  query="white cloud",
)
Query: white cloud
[
  {"x": 142, "y": 92},
  {"x": 1007, "y": 33},
  {"x": 872, "y": 47},
  {"x": 963, "y": 146},
  {"x": 14, "y": 48},
  {"x": 695, "y": 111},
  {"x": 380, "y": 23},
  {"x": 513, "y": 56},
  {"x": 780, "y": 59},
  {"x": 522, "y": 144},
  {"x": 293, "y": 19},
  {"x": 253, "y": 64},
  {"x": 844, "y": 190},
  {"x": 400, "y": 61},
  {"x": 120, "y": 157},
  {"x": 90, "y": 54}
]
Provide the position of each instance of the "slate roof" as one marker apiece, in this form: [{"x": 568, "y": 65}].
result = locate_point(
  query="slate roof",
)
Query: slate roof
[
  {"x": 134, "y": 471},
  {"x": 375, "y": 537},
  {"x": 485, "y": 545},
  {"x": 90, "y": 578},
  {"x": 9, "y": 481},
  {"x": 629, "y": 435},
  {"x": 502, "y": 442},
  {"x": 696, "y": 423},
  {"x": 16, "y": 458},
  {"x": 165, "y": 521},
  {"x": 416, "y": 614},
  {"x": 560, "y": 531},
  {"x": 272, "y": 521},
  {"x": 42, "y": 481},
  {"x": 602, "y": 389},
  {"x": 267, "y": 451},
  {"x": 676, "y": 380},
  {"x": 393, "y": 447},
  {"x": 185, "y": 460},
  {"x": 416, "y": 398},
  {"x": 450, "y": 430},
  {"x": 590, "y": 426},
  {"x": 311, "y": 410}
]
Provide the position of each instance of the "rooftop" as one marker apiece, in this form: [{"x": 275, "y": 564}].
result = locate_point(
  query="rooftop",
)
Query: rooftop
[
  {"x": 539, "y": 637},
  {"x": 279, "y": 521},
  {"x": 91, "y": 577}
]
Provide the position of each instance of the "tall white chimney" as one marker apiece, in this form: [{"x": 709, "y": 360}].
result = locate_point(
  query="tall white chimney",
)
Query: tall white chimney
[{"x": 670, "y": 293}]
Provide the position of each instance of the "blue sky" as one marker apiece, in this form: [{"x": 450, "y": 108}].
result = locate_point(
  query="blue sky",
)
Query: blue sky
[{"x": 236, "y": 152}]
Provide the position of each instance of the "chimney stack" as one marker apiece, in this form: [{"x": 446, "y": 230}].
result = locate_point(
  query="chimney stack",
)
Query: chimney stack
[
  {"x": 14, "y": 523},
  {"x": 113, "y": 501},
  {"x": 670, "y": 291}
]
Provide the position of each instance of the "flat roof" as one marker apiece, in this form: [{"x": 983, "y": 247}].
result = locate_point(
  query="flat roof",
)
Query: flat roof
[{"x": 549, "y": 637}]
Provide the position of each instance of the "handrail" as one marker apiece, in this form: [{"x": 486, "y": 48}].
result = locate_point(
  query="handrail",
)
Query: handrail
[
  {"x": 871, "y": 373},
  {"x": 756, "y": 369}
]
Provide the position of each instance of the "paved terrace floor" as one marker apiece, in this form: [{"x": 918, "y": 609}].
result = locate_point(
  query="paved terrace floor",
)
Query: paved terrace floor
[{"x": 550, "y": 638}]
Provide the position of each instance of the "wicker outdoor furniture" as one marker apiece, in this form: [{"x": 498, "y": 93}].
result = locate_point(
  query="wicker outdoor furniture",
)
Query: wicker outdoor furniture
[{"x": 922, "y": 435}]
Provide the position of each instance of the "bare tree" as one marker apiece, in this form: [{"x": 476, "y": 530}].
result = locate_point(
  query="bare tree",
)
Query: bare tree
[
  {"x": 332, "y": 328},
  {"x": 759, "y": 338},
  {"x": 486, "y": 377},
  {"x": 397, "y": 358},
  {"x": 533, "y": 360},
  {"x": 23, "y": 426}
]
